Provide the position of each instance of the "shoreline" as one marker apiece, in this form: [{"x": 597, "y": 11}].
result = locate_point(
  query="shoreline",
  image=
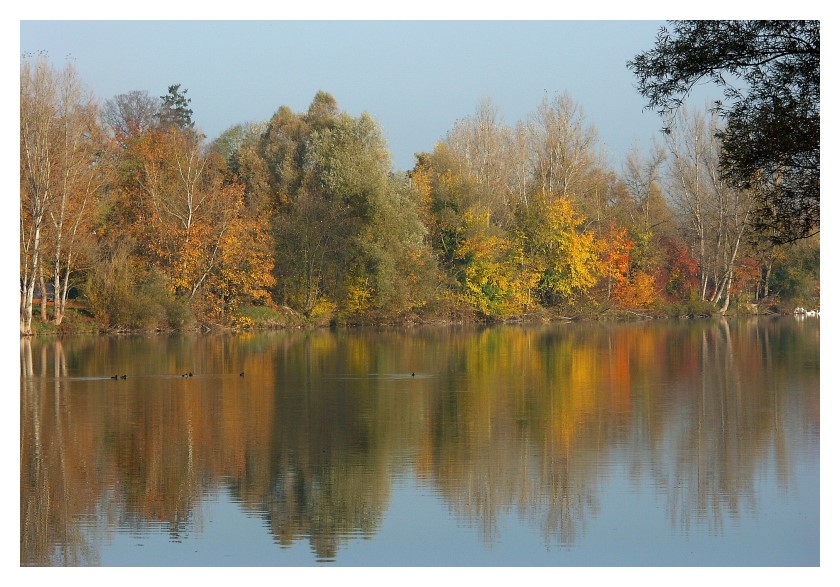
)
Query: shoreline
[{"x": 91, "y": 328}]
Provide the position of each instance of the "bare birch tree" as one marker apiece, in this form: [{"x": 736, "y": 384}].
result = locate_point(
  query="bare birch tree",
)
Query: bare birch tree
[
  {"x": 37, "y": 162},
  {"x": 78, "y": 180},
  {"x": 484, "y": 145},
  {"x": 716, "y": 215},
  {"x": 562, "y": 147}
]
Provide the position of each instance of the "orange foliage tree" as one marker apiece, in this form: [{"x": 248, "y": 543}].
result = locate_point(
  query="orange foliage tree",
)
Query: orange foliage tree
[
  {"x": 191, "y": 222},
  {"x": 684, "y": 270},
  {"x": 617, "y": 247}
]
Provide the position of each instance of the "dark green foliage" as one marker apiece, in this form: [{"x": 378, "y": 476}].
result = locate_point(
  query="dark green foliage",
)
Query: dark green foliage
[
  {"x": 796, "y": 278},
  {"x": 770, "y": 72},
  {"x": 175, "y": 110}
]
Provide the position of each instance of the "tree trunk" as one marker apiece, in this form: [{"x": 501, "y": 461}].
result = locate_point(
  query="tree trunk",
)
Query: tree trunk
[
  {"x": 767, "y": 279},
  {"x": 725, "y": 306},
  {"x": 57, "y": 292},
  {"x": 60, "y": 301},
  {"x": 43, "y": 285},
  {"x": 29, "y": 287}
]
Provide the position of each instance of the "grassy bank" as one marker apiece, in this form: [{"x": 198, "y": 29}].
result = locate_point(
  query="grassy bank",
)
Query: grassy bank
[{"x": 78, "y": 320}]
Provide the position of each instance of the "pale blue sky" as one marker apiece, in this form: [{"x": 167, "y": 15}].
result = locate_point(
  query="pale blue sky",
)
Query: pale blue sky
[{"x": 417, "y": 78}]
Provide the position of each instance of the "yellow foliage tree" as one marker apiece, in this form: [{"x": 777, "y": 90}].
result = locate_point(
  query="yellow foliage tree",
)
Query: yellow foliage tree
[
  {"x": 494, "y": 277},
  {"x": 571, "y": 257}
]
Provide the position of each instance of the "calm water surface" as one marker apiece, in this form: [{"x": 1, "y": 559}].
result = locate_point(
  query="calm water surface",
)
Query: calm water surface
[{"x": 668, "y": 443}]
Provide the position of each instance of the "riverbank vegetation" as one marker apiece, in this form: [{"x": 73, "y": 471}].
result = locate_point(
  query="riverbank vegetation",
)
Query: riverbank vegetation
[{"x": 132, "y": 219}]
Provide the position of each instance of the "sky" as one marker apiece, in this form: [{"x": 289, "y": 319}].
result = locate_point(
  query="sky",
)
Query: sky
[{"x": 416, "y": 78}]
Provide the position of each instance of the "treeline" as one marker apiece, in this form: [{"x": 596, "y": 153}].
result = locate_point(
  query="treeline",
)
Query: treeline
[{"x": 131, "y": 216}]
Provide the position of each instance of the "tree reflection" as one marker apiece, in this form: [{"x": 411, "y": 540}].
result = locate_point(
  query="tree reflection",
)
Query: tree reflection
[
  {"x": 499, "y": 421},
  {"x": 723, "y": 426},
  {"x": 56, "y": 485}
]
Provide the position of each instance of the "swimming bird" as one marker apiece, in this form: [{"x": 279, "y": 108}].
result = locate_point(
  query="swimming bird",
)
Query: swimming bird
[{"x": 242, "y": 374}]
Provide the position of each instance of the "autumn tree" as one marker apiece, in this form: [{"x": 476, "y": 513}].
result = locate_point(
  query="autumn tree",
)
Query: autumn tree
[
  {"x": 466, "y": 215},
  {"x": 81, "y": 176},
  {"x": 616, "y": 258},
  {"x": 199, "y": 241},
  {"x": 37, "y": 112},
  {"x": 187, "y": 207},
  {"x": 500, "y": 211},
  {"x": 571, "y": 256},
  {"x": 496, "y": 279},
  {"x": 59, "y": 179}
]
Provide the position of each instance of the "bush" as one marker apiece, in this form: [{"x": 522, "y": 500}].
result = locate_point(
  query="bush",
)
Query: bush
[
  {"x": 693, "y": 308},
  {"x": 121, "y": 296},
  {"x": 265, "y": 317},
  {"x": 79, "y": 322}
]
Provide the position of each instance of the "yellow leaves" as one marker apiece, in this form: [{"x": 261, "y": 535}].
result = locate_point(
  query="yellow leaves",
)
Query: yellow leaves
[
  {"x": 562, "y": 216},
  {"x": 572, "y": 257},
  {"x": 191, "y": 255},
  {"x": 191, "y": 222},
  {"x": 495, "y": 281},
  {"x": 359, "y": 295},
  {"x": 244, "y": 274},
  {"x": 323, "y": 310},
  {"x": 481, "y": 247}
]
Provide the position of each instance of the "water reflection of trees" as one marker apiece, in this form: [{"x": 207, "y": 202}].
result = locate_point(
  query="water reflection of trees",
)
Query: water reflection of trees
[
  {"x": 720, "y": 427},
  {"x": 528, "y": 421}
]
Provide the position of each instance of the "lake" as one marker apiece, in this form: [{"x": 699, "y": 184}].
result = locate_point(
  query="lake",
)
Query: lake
[{"x": 657, "y": 443}]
